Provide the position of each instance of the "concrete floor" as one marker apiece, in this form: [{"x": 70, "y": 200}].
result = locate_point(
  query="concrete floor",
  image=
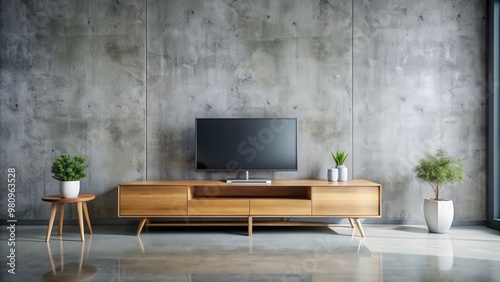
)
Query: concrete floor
[{"x": 388, "y": 253}]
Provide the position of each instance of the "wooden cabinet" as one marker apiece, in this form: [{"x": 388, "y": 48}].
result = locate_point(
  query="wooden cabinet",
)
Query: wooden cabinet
[{"x": 283, "y": 198}]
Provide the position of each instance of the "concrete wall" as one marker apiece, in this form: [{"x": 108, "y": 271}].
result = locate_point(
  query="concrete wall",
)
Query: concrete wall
[
  {"x": 121, "y": 82},
  {"x": 72, "y": 80},
  {"x": 418, "y": 85}
]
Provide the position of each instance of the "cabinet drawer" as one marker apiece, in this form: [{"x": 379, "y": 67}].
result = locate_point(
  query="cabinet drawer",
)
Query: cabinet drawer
[
  {"x": 334, "y": 208},
  {"x": 280, "y": 207},
  {"x": 344, "y": 193},
  {"x": 211, "y": 206},
  {"x": 346, "y": 201},
  {"x": 152, "y": 200}
]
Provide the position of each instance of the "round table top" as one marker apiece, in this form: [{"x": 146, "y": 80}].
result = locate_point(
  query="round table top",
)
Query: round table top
[{"x": 58, "y": 198}]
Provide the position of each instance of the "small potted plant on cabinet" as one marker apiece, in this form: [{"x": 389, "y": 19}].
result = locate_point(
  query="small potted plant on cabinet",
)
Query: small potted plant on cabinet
[
  {"x": 69, "y": 171},
  {"x": 339, "y": 158},
  {"x": 438, "y": 170}
]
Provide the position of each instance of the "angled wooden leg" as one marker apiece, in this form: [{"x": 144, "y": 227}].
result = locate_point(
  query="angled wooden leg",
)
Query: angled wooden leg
[
  {"x": 61, "y": 217},
  {"x": 87, "y": 217},
  {"x": 351, "y": 222},
  {"x": 250, "y": 226},
  {"x": 360, "y": 228},
  {"x": 53, "y": 210},
  {"x": 80, "y": 219},
  {"x": 141, "y": 225}
]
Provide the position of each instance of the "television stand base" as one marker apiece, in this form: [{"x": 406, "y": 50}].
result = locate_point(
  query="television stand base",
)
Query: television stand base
[
  {"x": 186, "y": 200},
  {"x": 248, "y": 181}
]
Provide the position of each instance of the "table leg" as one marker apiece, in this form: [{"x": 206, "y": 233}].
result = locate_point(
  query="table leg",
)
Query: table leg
[
  {"x": 87, "y": 217},
  {"x": 80, "y": 219},
  {"x": 53, "y": 210},
  {"x": 250, "y": 226},
  {"x": 360, "y": 228},
  {"x": 61, "y": 217}
]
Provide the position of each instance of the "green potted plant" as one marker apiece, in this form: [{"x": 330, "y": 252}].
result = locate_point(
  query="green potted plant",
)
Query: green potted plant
[
  {"x": 69, "y": 171},
  {"x": 438, "y": 170},
  {"x": 340, "y": 157}
]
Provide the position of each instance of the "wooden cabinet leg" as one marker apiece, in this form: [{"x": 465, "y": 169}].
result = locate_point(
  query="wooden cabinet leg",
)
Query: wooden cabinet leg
[
  {"x": 141, "y": 225},
  {"x": 87, "y": 217},
  {"x": 360, "y": 228},
  {"x": 249, "y": 226},
  {"x": 53, "y": 210},
  {"x": 80, "y": 219},
  {"x": 61, "y": 217},
  {"x": 352, "y": 223}
]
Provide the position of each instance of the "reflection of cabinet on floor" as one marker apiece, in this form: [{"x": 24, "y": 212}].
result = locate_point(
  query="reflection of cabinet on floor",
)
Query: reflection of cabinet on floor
[
  {"x": 258, "y": 265},
  {"x": 303, "y": 198}
]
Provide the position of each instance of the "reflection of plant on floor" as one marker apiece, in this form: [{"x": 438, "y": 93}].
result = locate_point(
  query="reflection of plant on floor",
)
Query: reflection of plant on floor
[
  {"x": 439, "y": 169},
  {"x": 67, "y": 169}
]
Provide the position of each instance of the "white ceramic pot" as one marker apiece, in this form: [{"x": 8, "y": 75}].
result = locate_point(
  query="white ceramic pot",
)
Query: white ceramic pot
[
  {"x": 333, "y": 174},
  {"x": 69, "y": 189},
  {"x": 342, "y": 172},
  {"x": 438, "y": 215}
]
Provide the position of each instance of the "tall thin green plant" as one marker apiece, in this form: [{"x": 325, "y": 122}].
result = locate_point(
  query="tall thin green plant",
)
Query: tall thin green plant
[
  {"x": 438, "y": 170},
  {"x": 339, "y": 157}
]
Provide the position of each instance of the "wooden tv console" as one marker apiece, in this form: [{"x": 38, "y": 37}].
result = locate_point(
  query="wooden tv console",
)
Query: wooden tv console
[{"x": 301, "y": 198}]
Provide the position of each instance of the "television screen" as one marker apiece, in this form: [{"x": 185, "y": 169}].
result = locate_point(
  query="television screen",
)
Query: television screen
[{"x": 243, "y": 144}]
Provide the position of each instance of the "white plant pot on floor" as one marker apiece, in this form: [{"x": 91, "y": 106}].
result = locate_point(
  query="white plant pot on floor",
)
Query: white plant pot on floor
[
  {"x": 69, "y": 189},
  {"x": 438, "y": 215}
]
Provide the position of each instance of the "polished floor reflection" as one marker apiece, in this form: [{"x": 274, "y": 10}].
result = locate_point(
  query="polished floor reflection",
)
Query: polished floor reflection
[{"x": 388, "y": 253}]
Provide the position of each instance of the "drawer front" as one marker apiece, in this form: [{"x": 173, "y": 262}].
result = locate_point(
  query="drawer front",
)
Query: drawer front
[
  {"x": 345, "y": 193},
  {"x": 210, "y": 206},
  {"x": 333, "y": 208},
  {"x": 152, "y": 200},
  {"x": 346, "y": 201},
  {"x": 280, "y": 207}
]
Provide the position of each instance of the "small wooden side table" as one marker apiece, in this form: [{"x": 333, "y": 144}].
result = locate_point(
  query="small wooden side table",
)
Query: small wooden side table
[{"x": 81, "y": 205}]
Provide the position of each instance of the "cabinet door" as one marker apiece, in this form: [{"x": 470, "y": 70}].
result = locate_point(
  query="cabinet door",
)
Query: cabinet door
[
  {"x": 346, "y": 201},
  {"x": 152, "y": 200}
]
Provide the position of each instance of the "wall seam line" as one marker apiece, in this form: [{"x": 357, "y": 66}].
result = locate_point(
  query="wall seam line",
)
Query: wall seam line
[
  {"x": 352, "y": 87},
  {"x": 146, "y": 91}
]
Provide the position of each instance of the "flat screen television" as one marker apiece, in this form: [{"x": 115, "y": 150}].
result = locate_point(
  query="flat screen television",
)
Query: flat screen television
[{"x": 246, "y": 144}]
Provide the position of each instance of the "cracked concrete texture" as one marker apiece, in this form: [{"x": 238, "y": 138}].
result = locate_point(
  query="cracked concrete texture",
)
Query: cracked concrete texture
[{"x": 384, "y": 80}]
